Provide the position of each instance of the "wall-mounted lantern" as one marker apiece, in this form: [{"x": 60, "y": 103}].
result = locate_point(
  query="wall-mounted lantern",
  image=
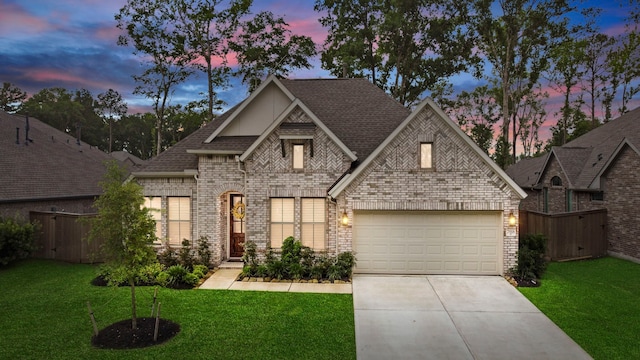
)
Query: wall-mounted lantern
[
  {"x": 344, "y": 219},
  {"x": 512, "y": 219}
]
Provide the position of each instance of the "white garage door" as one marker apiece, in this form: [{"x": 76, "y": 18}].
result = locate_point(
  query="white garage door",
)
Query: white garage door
[{"x": 428, "y": 242}]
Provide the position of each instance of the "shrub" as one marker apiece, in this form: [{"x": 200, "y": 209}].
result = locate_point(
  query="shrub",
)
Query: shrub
[
  {"x": 276, "y": 269},
  {"x": 190, "y": 279},
  {"x": 185, "y": 255},
  {"x": 162, "y": 278},
  {"x": 16, "y": 240},
  {"x": 168, "y": 256},
  {"x": 250, "y": 256},
  {"x": 176, "y": 274},
  {"x": 531, "y": 262},
  {"x": 200, "y": 270},
  {"x": 204, "y": 253}
]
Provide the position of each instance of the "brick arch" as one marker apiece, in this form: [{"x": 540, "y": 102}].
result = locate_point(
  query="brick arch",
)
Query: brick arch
[{"x": 227, "y": 187}]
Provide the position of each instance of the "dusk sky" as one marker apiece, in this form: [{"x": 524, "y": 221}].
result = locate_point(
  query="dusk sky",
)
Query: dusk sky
[{"x": 72, "y": 44}]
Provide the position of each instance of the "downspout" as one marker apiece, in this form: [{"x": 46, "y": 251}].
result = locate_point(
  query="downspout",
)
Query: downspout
[
  {"x": 195, "y": 177},
  {"x": 244, "y": 172}
]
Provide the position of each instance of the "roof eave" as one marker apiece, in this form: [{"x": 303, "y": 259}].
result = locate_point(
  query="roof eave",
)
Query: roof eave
[
  {"x": 214, "y": 152},
  {"x": 165, "y": 174}
]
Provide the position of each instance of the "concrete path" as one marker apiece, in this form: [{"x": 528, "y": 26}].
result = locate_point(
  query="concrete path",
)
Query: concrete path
[
  {"x": 452, "y": 317},
  {"x": 225, "y": 279}
]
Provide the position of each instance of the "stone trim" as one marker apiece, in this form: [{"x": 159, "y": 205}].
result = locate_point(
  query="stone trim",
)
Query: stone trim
[{"x": 427, "y": 205}]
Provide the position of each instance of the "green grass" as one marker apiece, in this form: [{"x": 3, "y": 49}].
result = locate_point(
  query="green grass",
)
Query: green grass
[
  {"x": 596, "y": 302},
  {"x": 43, "y": 315}
]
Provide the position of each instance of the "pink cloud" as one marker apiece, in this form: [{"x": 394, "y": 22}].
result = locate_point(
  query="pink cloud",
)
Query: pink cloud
[{"x": 15, "y": 19}]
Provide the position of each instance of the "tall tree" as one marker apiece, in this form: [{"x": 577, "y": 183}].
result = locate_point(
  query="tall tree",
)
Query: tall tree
[
  {"x": 111, "y": 107},
  {"x": 353, "y": 37},
  {"x": 208, "y": 26},
  {"x": 149, "y": 25},
  {"x": 126, "y": 228},
  {"x": 515, "y": 37},
  {"x": 624, "y": 67},
  {"x": 565, "y": 74},
  {"x": 266, "y": 45},
  {"x": 405, "y": 47},
  {"x": 11, "y": 97}
]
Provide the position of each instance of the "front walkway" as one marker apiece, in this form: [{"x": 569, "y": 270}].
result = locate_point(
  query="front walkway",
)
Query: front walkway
[{"x": 225, "y": 279}]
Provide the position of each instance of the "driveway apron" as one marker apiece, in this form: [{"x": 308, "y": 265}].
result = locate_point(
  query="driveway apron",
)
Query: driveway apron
[{"x": 452, "y": 317}]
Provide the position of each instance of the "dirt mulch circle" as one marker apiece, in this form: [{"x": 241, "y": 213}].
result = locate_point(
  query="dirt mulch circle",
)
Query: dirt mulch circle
[{"x": 120, "y": 335}]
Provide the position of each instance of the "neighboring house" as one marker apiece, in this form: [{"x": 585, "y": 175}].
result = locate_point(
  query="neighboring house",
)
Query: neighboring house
[
  {"x": 341, "y": 166},
  {"x": 597, "y": 170},
  {"x": 44, "y": 169}
]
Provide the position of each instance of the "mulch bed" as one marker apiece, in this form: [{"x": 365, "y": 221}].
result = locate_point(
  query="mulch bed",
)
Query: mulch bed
[
  {"x": 101, "y": 281},
  {"x": 527, "y": 282},
  {"x": 120, "y": 335}
]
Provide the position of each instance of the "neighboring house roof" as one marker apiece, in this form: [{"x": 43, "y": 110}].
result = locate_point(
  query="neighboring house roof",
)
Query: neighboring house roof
[
  {"x": 584, "y": 159},
  {"x": 527, "y": 171},
  {"x": 50, "y": 165},
  {"x": 129, "y": 160},
  {"x": 355, "y": 112}
]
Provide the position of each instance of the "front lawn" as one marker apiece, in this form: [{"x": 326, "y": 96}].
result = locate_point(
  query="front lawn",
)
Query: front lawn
[
  {"x": 43, "y": 315},
  {"x": 596, "y": 302}
]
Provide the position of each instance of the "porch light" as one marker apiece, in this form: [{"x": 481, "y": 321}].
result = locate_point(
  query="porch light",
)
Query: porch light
[
  {"x": 512, "y": 219},
  {"x": 344, "y": 220}
]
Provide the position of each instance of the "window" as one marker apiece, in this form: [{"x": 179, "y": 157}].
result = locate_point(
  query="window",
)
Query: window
[
  {"x": 282, "y": 218},
  {"x": 298, "y": 156},
  {"x": 426, "y": 159},
  {"x": 154, "y": 204},
  {"x": 597, "y": 196},
  {"x": 179, "y": 219},
  {"x": 556, "y": 181},
  {"x": 313, "y": 223}
]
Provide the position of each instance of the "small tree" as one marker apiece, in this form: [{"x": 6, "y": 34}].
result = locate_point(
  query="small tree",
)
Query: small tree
[{"x": 126, "y": 228}]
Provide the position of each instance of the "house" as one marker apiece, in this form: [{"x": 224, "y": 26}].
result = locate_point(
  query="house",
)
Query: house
[
  {"x": 44, "y": 169},
  {"x": 598, "y": 170},
  {"x": 341, "y": 166}
]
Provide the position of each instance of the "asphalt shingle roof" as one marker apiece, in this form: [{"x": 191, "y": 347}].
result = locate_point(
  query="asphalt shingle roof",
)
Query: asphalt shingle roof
[
  {"x": 51, "y": 165},
  {"x": 583, "y": 158},
  {"x": 359, "y": 113}
]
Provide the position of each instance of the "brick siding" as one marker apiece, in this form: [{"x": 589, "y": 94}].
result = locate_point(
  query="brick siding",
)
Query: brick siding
[{"x": 622, "y": 189}]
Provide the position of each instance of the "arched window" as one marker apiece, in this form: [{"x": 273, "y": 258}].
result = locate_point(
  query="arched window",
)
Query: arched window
[{"x": 556, "y": 181}]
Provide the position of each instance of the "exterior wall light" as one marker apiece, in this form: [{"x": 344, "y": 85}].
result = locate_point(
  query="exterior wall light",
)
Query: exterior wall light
[
  {"x": 344, "y": 219},
  {"x": 512, "y": 219}
]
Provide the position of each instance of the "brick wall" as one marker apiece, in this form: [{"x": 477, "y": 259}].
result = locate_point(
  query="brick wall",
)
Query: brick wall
[
  {"x": 460, "y": 180},
  {"x": 622, "y": 194},
  {"x": 20, "y": 210}
]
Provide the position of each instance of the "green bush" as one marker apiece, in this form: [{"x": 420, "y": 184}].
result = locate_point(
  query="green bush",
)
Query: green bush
[
  {"x": 204, "y": 253},
  {"x": 168, "y": 256},
  {"x": 176, "y": 274},
  {"x": 185, "y": 255},
  {"x": 296, "y": 261},
  {"x": 16, "y": 240},
  {"x": 162, "y": 279},
  {"x": 531, "y": 262},
  {"x": 190, "y": 279},
  {"x": 200, "y": 270}
]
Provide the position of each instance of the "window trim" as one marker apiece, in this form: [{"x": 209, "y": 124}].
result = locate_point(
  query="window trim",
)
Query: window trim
[{"x": 156, "y": 214}]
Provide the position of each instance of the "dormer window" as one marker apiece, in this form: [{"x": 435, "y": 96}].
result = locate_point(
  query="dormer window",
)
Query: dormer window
[
  {"x": 556, "y": 181},
  {"x": 298, "y": 156}
]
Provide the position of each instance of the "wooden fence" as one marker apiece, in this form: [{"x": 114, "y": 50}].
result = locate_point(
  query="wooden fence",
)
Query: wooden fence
[
  {"x": 569, "y": 235},
  {"x": 63, "y": 237}
]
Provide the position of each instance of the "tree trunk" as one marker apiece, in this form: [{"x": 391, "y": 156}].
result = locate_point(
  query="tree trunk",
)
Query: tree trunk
[{"x": 134, "y": 319}]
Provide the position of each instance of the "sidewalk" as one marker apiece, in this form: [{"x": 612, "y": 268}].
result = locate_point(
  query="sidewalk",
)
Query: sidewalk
[{"x": 225, "y": 279}]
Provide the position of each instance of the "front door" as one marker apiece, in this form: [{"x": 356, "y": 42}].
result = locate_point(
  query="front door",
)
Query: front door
[{"x": 237, "y": 224}]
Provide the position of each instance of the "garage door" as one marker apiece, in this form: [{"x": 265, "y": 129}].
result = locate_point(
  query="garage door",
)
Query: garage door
[{"x": 427, "y": 242}]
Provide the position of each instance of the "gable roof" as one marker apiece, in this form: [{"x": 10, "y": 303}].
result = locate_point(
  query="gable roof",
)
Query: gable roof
[
  {"x": 584, "y": 159},
  {"x": 345, "y": 181},
  {"x": 355, "y": 113},
  {"x": 52, "y": 165},
  {"x": 624, "y": 144},
  {"x": 526, "y": 172}
]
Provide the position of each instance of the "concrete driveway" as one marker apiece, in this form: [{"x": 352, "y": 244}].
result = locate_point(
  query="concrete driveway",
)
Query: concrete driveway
[{"x": 452, "y": 317}]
